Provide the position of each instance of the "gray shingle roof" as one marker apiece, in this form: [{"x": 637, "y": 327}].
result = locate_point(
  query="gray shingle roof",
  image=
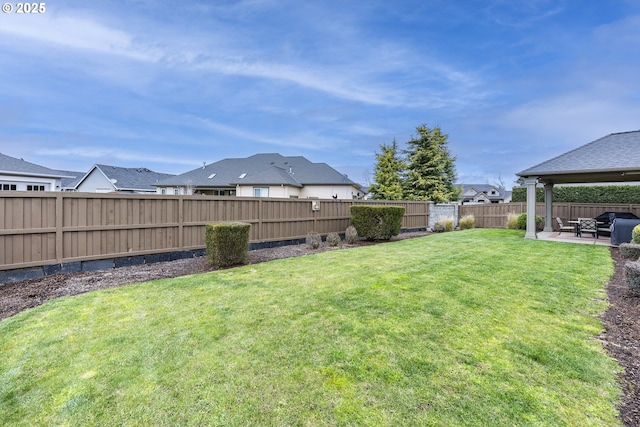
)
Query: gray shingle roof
[
  {"x": 72, "y": 178},
  {"x": 265, "y": 169},
  {"x": 13, "y": 166},
  {"x": 614, "y": 152},
  {"x": 484, "y": 188},
  {"x": 132, "y": 178}
]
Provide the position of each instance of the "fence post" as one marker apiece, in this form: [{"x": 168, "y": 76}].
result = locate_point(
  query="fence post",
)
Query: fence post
[
  {"x": 59, "y": 230},
  {"x": 181, "y": 222}
]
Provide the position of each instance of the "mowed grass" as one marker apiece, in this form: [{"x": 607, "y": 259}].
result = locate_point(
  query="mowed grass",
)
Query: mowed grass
[{"x": 478, "y": 327}]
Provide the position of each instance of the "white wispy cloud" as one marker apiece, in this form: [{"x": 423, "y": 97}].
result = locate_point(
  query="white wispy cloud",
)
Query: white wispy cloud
[{"x": 372, "y": 81}]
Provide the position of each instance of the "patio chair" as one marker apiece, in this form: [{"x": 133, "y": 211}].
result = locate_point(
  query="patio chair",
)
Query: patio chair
[
  {"x": 563, "y": 227},
  {"x": 588, "y": 226}
]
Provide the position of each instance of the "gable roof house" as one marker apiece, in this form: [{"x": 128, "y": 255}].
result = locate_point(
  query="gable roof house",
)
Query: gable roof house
[
  {"x": 107, "y": 179},
  {"x": 20, "y": 175},
  {"x": 264, "y": 175},
  {"x": 483, "y": 193}
]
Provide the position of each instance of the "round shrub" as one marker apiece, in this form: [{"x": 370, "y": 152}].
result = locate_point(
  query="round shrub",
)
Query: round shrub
[
  {"x": 313, "y": 240},
  {"x": 333, "y": 239},
  {"x": 632, "y": 277},
  {"x": 522, "y": 222},
  {"x": 351, "y": 235},
  {"x": 630, "y": 251},
  {"x": 635, "y": 234}
]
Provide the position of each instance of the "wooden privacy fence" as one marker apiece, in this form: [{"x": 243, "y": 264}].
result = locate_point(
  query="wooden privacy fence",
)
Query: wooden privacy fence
[
  {"x": 38, "y": 229},
  {"x": 495, "y": 215}
]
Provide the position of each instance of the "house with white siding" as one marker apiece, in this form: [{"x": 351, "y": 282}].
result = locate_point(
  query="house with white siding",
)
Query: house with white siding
[
  {"x": 264, "y": 175},
  {"x": 20, "y": 175},
  {"x": 109, "y": 179}
]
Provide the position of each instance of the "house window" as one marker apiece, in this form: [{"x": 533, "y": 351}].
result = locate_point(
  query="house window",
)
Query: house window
[
  {"x": 163, "y": 191},
  {"x": 35, "y": 187},
  {"x": 8, "y": 187},
  {"x": 176, "y": 191},
  {"x": 260, "y": 192}
]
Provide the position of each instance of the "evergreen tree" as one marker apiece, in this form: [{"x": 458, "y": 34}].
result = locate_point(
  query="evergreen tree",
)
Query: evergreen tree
[
  {"x": 430, "y": 171},
  {"x": 387, "y": 176}
]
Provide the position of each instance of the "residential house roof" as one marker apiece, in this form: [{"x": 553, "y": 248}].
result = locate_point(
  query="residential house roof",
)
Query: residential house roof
[
  {"x": 259, "y": 169},
  {"x": 609, "y": 158},
  {"x": 128, "y": 179},
  {"x": 71, "y": 179},
  {"x": 473, "y": 190},
  {"x": 14, "y": 166}
]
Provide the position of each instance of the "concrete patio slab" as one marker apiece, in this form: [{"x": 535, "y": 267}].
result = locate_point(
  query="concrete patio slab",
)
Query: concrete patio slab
[{"x": 572, "y": 238}]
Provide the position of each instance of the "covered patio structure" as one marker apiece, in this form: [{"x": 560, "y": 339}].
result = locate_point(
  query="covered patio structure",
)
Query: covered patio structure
[{"x": 614, "y": 158}]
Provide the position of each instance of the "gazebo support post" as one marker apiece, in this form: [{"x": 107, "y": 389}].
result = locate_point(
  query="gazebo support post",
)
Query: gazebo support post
[
  {"x": 548, "y": 208},
  {"x": 530, "y": 183}
]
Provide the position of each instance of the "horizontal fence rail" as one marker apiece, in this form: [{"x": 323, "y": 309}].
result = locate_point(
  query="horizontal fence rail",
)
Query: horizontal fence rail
[
  {"x": 40, "y": 229},
  {"x": 44, "y": 229},
  {"x": 492, "y": 215}
]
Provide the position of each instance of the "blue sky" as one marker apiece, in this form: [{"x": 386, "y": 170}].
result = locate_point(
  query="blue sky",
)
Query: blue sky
[{"x": 169, "y": 85}]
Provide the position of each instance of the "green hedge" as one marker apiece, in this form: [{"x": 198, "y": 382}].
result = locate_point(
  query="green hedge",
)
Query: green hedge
[
  {"x": 227, "y": 243},
  {"x": 377, "y": 222},
  {"x": 611, "y": 194}
]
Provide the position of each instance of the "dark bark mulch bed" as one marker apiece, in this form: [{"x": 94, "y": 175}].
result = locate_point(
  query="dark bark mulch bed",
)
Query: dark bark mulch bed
[{"x": 622, "y": 339}]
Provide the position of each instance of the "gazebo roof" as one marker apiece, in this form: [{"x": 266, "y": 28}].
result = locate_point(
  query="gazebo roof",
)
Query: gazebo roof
[{"x": 613, "y": 158}]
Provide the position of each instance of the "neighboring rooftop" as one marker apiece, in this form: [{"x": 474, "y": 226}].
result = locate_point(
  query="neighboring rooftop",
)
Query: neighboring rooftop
[
  {"x": 264, "y": 169},
  {"x": 14, "y": 166},
  {"x": 129, "y": 179}
]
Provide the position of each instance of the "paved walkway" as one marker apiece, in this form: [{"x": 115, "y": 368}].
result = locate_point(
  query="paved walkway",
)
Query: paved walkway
[{"x": 571, "y": 238}]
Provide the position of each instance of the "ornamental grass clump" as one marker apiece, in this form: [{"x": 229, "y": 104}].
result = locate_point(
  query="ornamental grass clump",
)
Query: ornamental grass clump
[
  {"x": 467, "y": 222},
  {"x": 512, "y": 221},
  {"x": 443, "y": 225},
  {"x": 227, "y": 243}
]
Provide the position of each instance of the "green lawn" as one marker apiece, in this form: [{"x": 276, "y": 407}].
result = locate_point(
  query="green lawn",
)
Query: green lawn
[{"x": 477, "y": 327}]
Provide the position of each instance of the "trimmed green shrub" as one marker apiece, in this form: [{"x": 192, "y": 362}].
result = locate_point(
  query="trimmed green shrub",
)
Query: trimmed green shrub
[
  {"x": 377, "y": 222},
  {"x": 313, "y": 240},
  {"x": 630, "y": 251},
  {"x": 632, "y": 276},
  {"x": 351, "y": 235},
  {"x": 522, "y": 222},
  {"x": 607, "y": 194},
  {"x": 227, "y": 243},
  {"x": 445, "y": 224},
  {"x": 635, "y": 234},
  {"x": 467, "y": 222},
  {"x": 333, "y": 239}
]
